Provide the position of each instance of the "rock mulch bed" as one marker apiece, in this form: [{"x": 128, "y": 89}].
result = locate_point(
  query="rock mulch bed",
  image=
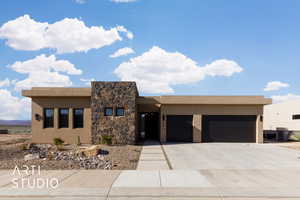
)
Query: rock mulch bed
[
  {"x": 71, "y": 157},
  {"x": 76, "y": 156}
]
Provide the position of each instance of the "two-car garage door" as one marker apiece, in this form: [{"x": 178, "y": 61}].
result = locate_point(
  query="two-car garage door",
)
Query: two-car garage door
[
  {"x": 224, "y": 128},
  {"x": 215, "y": 128},
  {"x": 180, "y": 128}
]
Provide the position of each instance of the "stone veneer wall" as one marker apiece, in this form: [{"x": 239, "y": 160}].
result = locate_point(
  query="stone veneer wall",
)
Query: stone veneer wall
[{"x": 114, "y": 94}]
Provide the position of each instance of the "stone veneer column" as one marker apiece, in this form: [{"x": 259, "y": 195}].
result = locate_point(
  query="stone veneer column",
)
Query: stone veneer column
[
  {"x": 197, "y": 128},
  {"x": 114, "y": 94},
  {"x": 259, "y": 130}
]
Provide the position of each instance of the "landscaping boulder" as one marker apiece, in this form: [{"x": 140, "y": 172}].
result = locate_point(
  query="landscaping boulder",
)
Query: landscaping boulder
[
  {"x": 32, "y": 156},
  {"x": 91, "y": 151}
]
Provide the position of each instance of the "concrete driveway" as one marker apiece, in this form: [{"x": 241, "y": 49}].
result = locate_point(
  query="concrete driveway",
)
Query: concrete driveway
[
  {"x": 231, "y": 156},
  {"x": 241, "y": 170}
]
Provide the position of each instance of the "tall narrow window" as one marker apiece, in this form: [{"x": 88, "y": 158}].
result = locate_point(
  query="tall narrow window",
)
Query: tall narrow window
[
  {"x": 63, "y": 118},
  {"x": 48, "y": 118},
  {"x": 78, "y": 117}
]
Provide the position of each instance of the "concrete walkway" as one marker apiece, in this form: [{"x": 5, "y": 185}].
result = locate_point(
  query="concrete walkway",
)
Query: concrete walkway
[
  {"x": 163, "y": 184},
  {"x": 152, "y": 157}
]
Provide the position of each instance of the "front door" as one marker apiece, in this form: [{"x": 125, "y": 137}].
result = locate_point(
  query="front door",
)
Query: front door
[{"x": 149, "y": 124}]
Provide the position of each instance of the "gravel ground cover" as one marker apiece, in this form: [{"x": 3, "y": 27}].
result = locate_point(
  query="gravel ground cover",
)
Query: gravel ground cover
[{"x": 14, "y": 148}]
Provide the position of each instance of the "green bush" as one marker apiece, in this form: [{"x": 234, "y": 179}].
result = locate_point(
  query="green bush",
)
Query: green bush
[
  {"x": 106, "y": 139},
  {"x": 58, "y": 141}
]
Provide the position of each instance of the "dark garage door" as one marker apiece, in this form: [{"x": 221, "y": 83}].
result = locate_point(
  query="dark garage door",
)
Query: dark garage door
[
  {"x": 223, "y": 128},
  {"x": 179, "y": 128}
]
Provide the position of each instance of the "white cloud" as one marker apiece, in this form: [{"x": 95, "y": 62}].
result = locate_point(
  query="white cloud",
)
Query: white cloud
[
  {"x": 5, "y": 83},
  {"x": 65, "y": 36},
  {"x": 12, "y": 107},
  {"x": 222, "y": 68},
  {"x": 123, "y": 1},
  {"x": 282, "y": 98},
  {"x": 24, "y": 33},
  {"x": 275, "y": 85},
  {"x": 157, "y": 70},
  {"x": 122, "y": 52},
  {"x": 87, "y": 81},
  {"x": 129, "y": 34},
  {"x": 44, "y": 71}
]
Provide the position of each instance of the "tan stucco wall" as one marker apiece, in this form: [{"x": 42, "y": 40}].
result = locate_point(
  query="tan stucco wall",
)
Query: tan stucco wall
[
  {"x": 259, "y": 130},
  {"x": 69, "y": 135},
  {"x": 198, "y": 110}
]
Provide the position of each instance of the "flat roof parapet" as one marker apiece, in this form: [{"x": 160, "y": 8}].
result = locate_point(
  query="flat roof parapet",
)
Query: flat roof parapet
[
  {"x": 57, "y": 92},
  {"x": 221, "y": 100},
  {"x": 86, "y": 92}
]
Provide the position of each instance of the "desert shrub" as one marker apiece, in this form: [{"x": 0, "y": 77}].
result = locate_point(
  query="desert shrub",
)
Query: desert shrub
[
  {"x": 58, "y": 141},
  {"x": 106, "y": 139},
  {"x": 24, "y": 147}
]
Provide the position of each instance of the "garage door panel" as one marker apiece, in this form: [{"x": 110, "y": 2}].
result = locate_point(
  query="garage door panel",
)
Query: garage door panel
[
  {"x": 229, "y": 129},
  {"x": 180, "y": 128}
]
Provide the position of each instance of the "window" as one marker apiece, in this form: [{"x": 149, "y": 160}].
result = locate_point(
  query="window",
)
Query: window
[
  {"x": 108, "y": 112},
  {"x": 63, "y": 118},
  {"x": 48, "y": 118},
  {"x": 120, "y": 112},
  {"x": 296, "y": 117},
  {"x": 78, "y": 117}
]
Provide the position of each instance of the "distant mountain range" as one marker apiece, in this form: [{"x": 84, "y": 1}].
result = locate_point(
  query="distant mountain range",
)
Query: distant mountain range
[{"x": 15, "y": 122}]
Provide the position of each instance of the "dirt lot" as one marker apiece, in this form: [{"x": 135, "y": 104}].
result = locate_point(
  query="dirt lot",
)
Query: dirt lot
[
  {"x": 9, "y": 139},
  {"x": 16, "y": 129},
  {"x": 12, "y": 153}
]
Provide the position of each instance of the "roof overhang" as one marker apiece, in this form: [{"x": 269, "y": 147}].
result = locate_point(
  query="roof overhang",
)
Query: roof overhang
[
  {"x": 158, "y": 100},
  {"x": 57, "y": 92},
  {"x": 212, "y": 100}
]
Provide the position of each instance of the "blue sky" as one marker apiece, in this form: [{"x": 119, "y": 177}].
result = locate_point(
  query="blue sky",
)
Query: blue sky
[{"x": 214, "y": 47}]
